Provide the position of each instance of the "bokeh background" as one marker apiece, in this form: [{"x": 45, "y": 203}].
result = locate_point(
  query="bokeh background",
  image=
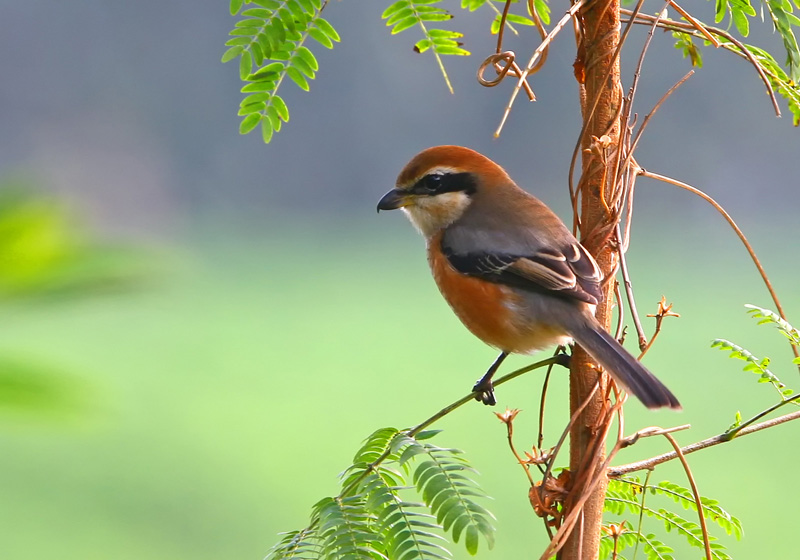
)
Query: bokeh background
[{"x": 225, "y": 321}]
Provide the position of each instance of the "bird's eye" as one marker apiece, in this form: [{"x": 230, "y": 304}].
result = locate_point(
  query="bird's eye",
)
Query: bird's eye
[{"x": 433, "y": 183}]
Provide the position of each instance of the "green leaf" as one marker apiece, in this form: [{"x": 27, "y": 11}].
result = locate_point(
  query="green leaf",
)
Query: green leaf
[
  {"x": 308, "y": 6},
  {"x": 543, "y": 10},
  {"x": 270, "y": 69},
  {"x": 399, "y": 15},
  {"x": 438, "y": 16},
  {"x": 521, "y": 20},
  {"x": 288, "y": 20},
  {"x": 320, "y": 37},
  {"x": 258, "y": 86},
  {"x": 258, "y": 13},
  {"x": 256, "y": 23},
  {"x": 274, "y": 119},
  {"x": 741, "y": 22},
  {"x": 280, "y": 106},
  {"x": 305, "y": 69},
  {"x": 235, "y": 6},
  {"x": 251, "y": 108},
  {"x": 258, "y": 55},
  {"x": 238, "y": 41},
  {"x": 404, "y": 24},
  {"x": 255, "y": 98},
  {"x": 397, "y": 6},
  {"x": 720, "y": 7},
  {"x": 232, "y": 53},
  {"x": 297, "y": 78},
  {"x": 244, "y": 31},
  {"x": 249, "y": 123},
  {"x": 280, "y": 55},
  {"x": 327, "y": 29},
  {"x": 423, "y": 45},
  {"x": 451, "y": 50},
  {"x": 308, "y": 57},
  {"x": 245, "y": 65},
  {"x": 266, "y": 131}
]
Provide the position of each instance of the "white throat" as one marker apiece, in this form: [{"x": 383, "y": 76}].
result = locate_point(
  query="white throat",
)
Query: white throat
[{"x": 434, "y": 213}]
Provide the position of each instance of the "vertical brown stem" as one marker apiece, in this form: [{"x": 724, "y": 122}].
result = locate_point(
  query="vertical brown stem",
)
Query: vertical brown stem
[{"x": 601, "y": 97}]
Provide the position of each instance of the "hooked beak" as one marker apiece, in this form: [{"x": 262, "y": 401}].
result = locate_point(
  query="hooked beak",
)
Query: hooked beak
[{"x": 394, "y": 199}]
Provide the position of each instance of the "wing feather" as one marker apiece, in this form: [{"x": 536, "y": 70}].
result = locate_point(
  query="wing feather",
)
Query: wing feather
[{"x": 571, "y": 273}]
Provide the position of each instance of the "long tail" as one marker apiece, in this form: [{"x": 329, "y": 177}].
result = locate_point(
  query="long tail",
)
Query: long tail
[{"x": 624, "y": 368}]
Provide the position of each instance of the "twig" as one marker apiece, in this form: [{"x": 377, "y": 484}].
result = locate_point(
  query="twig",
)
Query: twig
[
  {"x": 628, "y": 106},
  {"x": 577, "y": 509},
  {"x": 536, "y": 55},
  {"x": 744, "y": 52},
  {"x": 564, "y": 434},
  {"x": 695, "y": 23},
  {"x": 554, "y": 360},
  {"x": 695, "y": 493},
  {"x": 733, "y": 432},
  {"x": 637, "y": 323},
  {"x": 543, "y": 398},
  {"x": 664, "y": 310},
  {"x": 507, "y": 418},
  {"x": 616, "y": 472},
  {"x": 739, "y": 233},
  {"x": 641, "y": 512},
  {"x": 573, "y": 191},
  {"x": 618, "y": 332}
]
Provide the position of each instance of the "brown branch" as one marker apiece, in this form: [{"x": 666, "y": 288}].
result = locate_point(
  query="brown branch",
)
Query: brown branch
[
  {"x": 695, "y": 493},
  {"x": 566, "y": 529},
  {"x": 573, "y": 190},
  {"x": 743, "y": 51},
  {"x": 695, "y": 23},
  {"x": 637, "y": 323},
  {"x": 652, "y": 462},
  {"x": 739, "y": 233},
  {"x": 532, "y": 64}
]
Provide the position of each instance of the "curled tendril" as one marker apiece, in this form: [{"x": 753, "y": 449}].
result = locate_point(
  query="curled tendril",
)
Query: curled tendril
[
  {"x": 504, "y": 61},
  {"x": 495, "y": 60}
]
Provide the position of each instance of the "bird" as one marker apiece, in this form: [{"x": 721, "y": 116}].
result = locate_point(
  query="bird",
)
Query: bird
[{"x": 509, "y": 268}]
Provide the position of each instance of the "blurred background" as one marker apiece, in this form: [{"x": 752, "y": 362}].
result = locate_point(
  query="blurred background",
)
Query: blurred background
[{"x": 197, "y": 327}]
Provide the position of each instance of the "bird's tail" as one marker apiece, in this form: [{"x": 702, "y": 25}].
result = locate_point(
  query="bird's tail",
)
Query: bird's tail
[{"x": 624, "y": 368}]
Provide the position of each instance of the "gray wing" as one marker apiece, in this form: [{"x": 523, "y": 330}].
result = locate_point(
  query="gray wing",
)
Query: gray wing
[{"x": 565, "y": 271}]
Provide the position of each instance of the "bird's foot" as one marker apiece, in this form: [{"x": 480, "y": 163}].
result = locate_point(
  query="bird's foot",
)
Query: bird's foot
[{"x": 484, "y": 392}]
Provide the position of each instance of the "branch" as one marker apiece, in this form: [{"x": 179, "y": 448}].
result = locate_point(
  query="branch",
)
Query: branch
[
  {"x": 739, "y": 233},
  {"x": 695, "y": 493},
  {"x": 744, "y": 52},
  {"x": 616, "y": 472}
]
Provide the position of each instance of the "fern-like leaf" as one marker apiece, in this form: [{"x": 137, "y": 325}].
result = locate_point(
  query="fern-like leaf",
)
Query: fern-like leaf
[
  {"x": 408, "y": 532},
  {"x": 439, "y": 477},
  {"x": 767, "y": 316},
  {"x": 622, "y": 495},
  {"x": 371, "y": 517},
  {"x": 784, "y": 19},
  {"x": 347, "y": 529},
  {"x": 754, "y": 365},
  {"x": 786, "y": 88},
  {"x": 297, "y": 545},
  {"x": 426, "y": 14},
  {"x": 270, "y": 46},
  {"x": 712, "y": 510}
]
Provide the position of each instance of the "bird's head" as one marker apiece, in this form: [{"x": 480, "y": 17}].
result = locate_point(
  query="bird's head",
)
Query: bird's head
[{"x": 438, "y": 185}]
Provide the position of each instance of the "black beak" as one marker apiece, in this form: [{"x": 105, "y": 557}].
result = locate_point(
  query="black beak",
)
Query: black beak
[{"x": 393, "y": 200}]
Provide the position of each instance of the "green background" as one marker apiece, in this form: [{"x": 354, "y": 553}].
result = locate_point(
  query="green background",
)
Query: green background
[{"x": 212, "y": 406}]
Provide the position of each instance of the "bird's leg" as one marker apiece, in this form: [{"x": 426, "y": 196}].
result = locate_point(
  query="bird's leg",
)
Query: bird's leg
[{"x": 483, "y": 389}]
